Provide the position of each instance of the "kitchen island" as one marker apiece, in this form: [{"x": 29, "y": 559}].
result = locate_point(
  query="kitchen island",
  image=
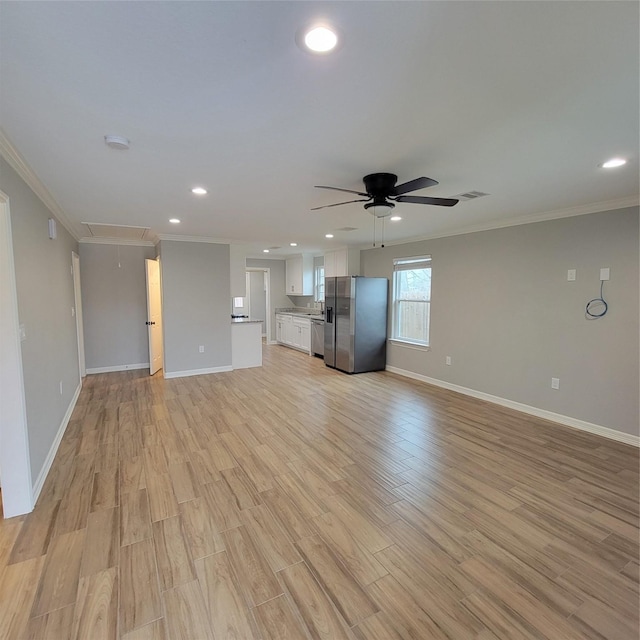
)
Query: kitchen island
[{"x": 246, "y": 343}]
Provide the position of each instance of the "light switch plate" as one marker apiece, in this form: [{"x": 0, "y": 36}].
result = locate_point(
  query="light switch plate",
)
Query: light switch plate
[{"x": 571, "y": 275}]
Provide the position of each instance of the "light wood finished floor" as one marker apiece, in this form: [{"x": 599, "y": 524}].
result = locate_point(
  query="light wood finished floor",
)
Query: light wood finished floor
[{"x": 293, "y": 501}]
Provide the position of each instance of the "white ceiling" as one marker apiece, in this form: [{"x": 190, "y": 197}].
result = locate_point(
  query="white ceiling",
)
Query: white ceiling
[{"x": 518, "y": 99}]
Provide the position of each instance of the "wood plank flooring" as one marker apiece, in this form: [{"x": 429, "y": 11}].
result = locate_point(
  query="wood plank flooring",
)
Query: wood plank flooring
[{"x": 295, "y": 502}]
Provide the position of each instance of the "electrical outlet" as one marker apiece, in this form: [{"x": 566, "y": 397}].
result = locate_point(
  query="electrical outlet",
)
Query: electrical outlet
[
  {"x": 447, "y": 360},
  {"x": 555, "y": 383},
  {"x": 571, "y": 275},
  {"x": 201, "y": 348},
  {"x": 604, "y": 273}
]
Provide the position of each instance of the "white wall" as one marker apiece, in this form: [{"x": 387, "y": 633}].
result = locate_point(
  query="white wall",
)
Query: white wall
[
  {"x": 45, "y": 295},
  {"x": 502, "y": 308},
  {"x": 114, "y": 300},
  {"x": 196, "y": 306}
]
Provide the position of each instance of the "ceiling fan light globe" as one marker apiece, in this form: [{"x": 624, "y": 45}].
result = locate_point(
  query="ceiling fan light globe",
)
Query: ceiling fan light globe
[{"x": 380, "y": 209}]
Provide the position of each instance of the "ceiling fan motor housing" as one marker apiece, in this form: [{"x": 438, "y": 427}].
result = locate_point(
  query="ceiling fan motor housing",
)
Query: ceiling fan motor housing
[{"x": 380, "y": 184}]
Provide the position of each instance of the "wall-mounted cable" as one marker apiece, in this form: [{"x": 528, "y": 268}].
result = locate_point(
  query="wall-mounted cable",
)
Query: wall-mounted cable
[{"x": 597, "y": 307}]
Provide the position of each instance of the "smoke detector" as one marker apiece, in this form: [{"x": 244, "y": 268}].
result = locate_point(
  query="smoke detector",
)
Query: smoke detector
[{"x": 116, "y": 142}]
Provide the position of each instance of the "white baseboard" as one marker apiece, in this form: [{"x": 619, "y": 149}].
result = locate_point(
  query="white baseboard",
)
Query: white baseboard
[
  {"x": 42, "y": 476},
  {"x": 118, "y": 367},
  {"x": 567, "y": 421},
  {"x": 196, "y": 372}
]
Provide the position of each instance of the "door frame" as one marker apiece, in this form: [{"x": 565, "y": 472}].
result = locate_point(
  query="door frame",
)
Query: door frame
[
  {"x": 267, "y": 283},
  {"x": 159, "y": 327},
  {"x": 77, "y": 296},
  {"x": 15, "y": 462}
]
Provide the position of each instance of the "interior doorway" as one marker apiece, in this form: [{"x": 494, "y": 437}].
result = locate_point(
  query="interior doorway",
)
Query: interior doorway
[
  {"x": 154, "y": 316},
  {"x": 15, "y": 464},
  {"x": 259, "y": 297}
]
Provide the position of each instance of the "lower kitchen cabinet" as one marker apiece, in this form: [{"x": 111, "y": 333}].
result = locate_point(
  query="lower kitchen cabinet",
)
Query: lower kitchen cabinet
[{"x": 294, "y": 332}]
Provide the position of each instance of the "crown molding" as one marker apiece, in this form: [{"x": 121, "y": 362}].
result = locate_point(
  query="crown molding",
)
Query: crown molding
[
  {"x": 118, "y": 241},
  {"x": 11, "y": 154},
  {"x": 581, "y": 210}
]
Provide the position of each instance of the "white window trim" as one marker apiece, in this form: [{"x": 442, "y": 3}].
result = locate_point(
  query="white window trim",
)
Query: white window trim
[
  {"x": 316, "y": 282},
  {"x": 417, "y": 346},
  {"x": 407, "y": 264}
]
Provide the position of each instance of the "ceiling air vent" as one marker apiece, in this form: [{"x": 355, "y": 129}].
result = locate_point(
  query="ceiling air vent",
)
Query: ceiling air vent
[
  {"x": 470, "y": 195},
  {"x": 120, "y": 232},
  {"x": 348, "y": 229}
]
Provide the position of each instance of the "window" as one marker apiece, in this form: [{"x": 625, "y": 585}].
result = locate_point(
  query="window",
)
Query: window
[
  {"x": 319, "y": 285},
  {"x": 411, "y": 299}
]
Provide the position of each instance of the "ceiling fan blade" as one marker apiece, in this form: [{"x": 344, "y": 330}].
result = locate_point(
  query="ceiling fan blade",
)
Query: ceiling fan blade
[
  {"x": 413, "y": 185},
  {"x": 442, "y": 202},
  {"x": 358, "y": 193},
  {"x": 337, "y": 204}
]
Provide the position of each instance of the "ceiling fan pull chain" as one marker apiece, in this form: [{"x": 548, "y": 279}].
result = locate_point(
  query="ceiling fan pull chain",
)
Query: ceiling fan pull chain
[{"x": 382, "y": 243}]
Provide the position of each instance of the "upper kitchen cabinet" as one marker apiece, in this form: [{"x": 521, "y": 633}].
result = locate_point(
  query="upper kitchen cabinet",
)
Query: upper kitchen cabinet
[
  {"x": 299, "y": 276},
  {"x": 342, "y": 262}
]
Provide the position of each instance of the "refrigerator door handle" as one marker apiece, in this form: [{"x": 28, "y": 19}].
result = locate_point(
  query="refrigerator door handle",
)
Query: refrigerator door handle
[{"x": 329, "y": 315}]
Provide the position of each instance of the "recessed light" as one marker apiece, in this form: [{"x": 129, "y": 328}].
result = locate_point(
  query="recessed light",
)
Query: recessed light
[
  {"x": 265, "y": 251},
  {"x": 318, "y": 38},
  {"x": 199, "y": 191},
  {"x": 293, "y": 244},
  {"x": 395, "y": 218},
  {"x": 613, "y": 163},
  {"x": 174, "y": 221},
  {"x": 328, "y": 235}
]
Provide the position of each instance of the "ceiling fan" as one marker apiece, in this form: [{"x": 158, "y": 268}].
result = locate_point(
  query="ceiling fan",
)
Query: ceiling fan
[{"x": 381, "y": 193}]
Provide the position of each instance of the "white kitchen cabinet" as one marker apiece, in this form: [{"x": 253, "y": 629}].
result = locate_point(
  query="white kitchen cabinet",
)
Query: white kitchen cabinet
[
  {"x": 299, "y": 276},
  {"x": 294, "y": 332},
  {"x": 284, "y": 328},
  {"x": 302, "y": 326},
  {"x": 279, "y": 331},
  {"x": 342, "y": 262}
]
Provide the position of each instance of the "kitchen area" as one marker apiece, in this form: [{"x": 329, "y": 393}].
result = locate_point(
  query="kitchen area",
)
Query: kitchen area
[
  {"x": 346, "y": 324},
  {"x": 318, "y": 305}
]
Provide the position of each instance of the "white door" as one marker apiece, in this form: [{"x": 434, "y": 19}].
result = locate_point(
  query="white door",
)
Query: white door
[{"x": 154, "y": 315}]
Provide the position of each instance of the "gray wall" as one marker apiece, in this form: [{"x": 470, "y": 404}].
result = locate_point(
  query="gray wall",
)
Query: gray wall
[
  {"x": 45, "y": 299},
  {"x": 277, "y": 286},
  {"x": 196, "y": 305},
  {"x": 114, "y": 301},
  {"x": 502, "y": 308}
]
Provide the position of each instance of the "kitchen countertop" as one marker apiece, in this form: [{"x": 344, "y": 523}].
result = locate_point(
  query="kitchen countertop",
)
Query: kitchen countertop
[
  {"x": 243, "y": 320},
  {"x": 301, "y": 314}
]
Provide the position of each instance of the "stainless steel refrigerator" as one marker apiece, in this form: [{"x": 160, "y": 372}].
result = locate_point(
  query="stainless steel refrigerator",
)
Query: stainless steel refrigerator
[{"x": 355, "y": 328}]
